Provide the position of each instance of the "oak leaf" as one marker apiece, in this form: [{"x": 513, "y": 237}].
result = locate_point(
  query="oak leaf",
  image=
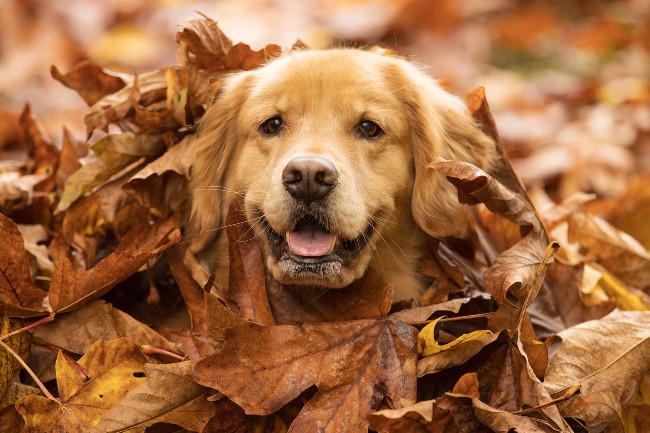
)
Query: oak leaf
[{"x": 354, "y": 364}]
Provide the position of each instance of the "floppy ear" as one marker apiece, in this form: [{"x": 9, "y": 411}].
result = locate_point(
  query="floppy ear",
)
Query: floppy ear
[
  {"x": 214, "y": 147},
  {"x": 441, "y": 126}
]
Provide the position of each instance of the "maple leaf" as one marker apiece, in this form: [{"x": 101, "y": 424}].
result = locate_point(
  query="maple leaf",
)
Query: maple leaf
[
  {"x": 114, "y": 367},
  {"x": 354, "y": 364},
  {"x": 167, "y": 396},
  {"x": 608, "y": 358}
]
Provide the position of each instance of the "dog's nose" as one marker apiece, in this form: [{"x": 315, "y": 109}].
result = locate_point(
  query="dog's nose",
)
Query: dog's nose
[{"x": 309, "y": 178}]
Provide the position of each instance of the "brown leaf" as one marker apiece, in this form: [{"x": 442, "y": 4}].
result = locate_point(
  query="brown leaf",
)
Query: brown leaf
[
  {"x": 517, "y": 270},
  {"x": 44, "y": 154},
  {"x": 71, "y": 152},
  {"x": 608, "y": 358},
  {"x": 247, "y": 286},
  {"x": 354, "y": 364},
  {"x": 204, "y": 45},
  {"x": 91, "y": 81},
  {"x": 421, "y": 314},
  {"x": 621, "y": 254},
  {"x": 192, "y": 293},
  {"x": 70, "y": 289},
  {"x": 9, "y": 366},
  {"x": 114, "y": 367},
  {"x": 19, "y": 296},
  {"x": 162, "y": 184},
  {"x": 101, "y": 321},
  {"x": 632, "y": 211}
]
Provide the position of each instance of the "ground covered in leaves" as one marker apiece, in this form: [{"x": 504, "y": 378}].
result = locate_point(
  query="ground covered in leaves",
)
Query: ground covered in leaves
[{"x": 538, "y": 322}]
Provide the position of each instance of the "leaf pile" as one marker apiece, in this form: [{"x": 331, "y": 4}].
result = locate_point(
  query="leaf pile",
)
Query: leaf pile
[{"x": 92, "y": 235}]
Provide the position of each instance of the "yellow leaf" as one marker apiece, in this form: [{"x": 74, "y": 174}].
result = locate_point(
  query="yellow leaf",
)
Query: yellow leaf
[
  {"x": 427, "y": 344},
  {"x": 115, "y": 367}
]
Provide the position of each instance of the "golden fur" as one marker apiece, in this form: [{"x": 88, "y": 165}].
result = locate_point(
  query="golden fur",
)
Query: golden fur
[{"x": 322, "y": 96}]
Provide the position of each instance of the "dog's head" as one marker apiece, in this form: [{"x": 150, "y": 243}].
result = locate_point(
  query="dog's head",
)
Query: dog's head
[{"x": 329, "y": 151}]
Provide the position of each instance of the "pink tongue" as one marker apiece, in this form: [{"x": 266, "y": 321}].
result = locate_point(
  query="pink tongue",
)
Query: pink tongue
[{"x": 310, "y": 241}]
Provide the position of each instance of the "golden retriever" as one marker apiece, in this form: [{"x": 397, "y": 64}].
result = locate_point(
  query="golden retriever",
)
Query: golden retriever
[{"x": 328, "y": 150}]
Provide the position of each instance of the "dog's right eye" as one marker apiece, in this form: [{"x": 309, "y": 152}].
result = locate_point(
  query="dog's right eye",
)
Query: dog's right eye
[{"x": 271, "y": 126}]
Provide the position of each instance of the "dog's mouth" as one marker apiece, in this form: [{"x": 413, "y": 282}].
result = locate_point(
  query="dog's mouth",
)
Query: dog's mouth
[{"x": 312, "y": 243}]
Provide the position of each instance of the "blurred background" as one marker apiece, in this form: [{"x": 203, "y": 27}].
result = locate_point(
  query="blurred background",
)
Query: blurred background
[{"x": 568, "y": 81}]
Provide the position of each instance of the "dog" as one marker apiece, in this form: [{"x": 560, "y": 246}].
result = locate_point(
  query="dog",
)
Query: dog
[{"x": 328, "y": 150}]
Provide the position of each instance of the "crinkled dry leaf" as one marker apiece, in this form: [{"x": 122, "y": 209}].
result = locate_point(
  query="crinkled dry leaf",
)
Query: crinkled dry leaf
[
  {"x": 619, "y": 252},
  {"x": 192, "y": 293},
  {"x": 19, "y": 296},
  {"x": 70, "y": 289},
  {"x": 35, "y": 237},
  {"x": 101, "y": 321},
  {"x": 608, "y": 358},
  {"x": 91, "y": 81},
  {"x": 167, "y": 396},
  {"x": 354, "y": 364},
  {"x": 44, "y": 154},
  {"x": 204, "y": 45},
  {"x": 115, "y": 367},
  {"x": 517, "y": 270}
]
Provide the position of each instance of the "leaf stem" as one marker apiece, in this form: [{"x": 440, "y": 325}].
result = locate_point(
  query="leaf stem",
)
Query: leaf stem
[
  {"x": 151, "y": 350},
  {"x": 568, "y": 394},
  {"x": 45, "y": 319},
  {"x": 29, "y": 371},
  {"x": 85, "y": 376}
]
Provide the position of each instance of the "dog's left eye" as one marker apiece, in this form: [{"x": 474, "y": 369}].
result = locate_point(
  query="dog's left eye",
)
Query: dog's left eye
[
  {"x": 369, "y": 129},
  {"x": 271, "y": 126}
]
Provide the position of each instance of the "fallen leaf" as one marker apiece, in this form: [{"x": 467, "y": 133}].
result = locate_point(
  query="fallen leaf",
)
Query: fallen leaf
[
  {"x": 167, "y": 396},
  {"x": 354, "y": 364},
  {"x": 620, "y": 253},
  {"x": 9, "y": 366},
  {"x": 436, "y": 357},
  {"x": 193, "y": 294},
  {"x": 115, "y": 368},
  {"x": 35, "y": 237},
  {"x": 101, "y": 321},
  {"x": 44, "y": 154},
  {"x": 19, "y": 296},
  {"x": 91, "y": 81},
  {"x": 608, "y": 358},
  {"x": 70, "y": 289}
]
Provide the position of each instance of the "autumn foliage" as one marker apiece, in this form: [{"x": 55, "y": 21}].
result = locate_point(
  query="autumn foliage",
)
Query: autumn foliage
[{"x": 537, "y": 322}]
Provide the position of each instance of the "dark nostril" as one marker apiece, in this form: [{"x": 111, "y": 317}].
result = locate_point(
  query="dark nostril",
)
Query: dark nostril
[{"x": 309, "y": 178}]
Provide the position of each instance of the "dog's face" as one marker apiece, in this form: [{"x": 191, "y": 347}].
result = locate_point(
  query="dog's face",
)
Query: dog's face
[{"x": 329, "y": 151}]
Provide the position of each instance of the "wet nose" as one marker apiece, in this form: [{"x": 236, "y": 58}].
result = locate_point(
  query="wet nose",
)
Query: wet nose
[{"x": 310, "y": 178}]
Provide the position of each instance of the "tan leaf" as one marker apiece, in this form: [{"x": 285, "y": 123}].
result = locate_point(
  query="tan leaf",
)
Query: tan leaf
[
  {"x": 101, "y": 321},
  {"x": 192, "y": 293},
  {"x": 19, "y": 296},
  {"x": 620, "y": 253},
  {"x": 608, "y": 358},
  {"x": 9, "y": 366},
  {"x": 115, "y": 368},
  {"x": 44, "y": 154},
  {"x": 354, "y": 364}
]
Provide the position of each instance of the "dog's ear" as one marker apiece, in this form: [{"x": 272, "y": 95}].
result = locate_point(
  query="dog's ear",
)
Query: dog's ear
[
  {"x": 214, "y": 148},
  {"x": 441, "y": 126}
]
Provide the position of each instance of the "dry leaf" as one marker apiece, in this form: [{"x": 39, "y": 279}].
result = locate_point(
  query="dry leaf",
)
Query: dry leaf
[
  {"x": 608, "y": 358},
  {"x": 101, "y": 321},
  {"x": 167, "y": 396},
  {"x": 19, "y": 296},
  {"x": 91, "y": 81},
  {"x": 70, "y": 289},
  {"x": 621, "y": 254},
  {"x": 114, "y": 367},
  {"x": 354, "y": 364}
]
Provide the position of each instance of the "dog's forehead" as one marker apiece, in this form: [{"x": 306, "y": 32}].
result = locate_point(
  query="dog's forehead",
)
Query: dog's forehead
[{"x": 324, "y": 70}]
